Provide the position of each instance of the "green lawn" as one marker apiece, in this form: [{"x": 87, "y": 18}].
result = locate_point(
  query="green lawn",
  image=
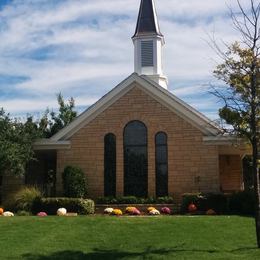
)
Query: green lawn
[{"x": 127, "y": 238}]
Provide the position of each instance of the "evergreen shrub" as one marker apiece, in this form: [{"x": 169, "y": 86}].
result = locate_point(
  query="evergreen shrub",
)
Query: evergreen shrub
[{"x": 74, "y": 182}]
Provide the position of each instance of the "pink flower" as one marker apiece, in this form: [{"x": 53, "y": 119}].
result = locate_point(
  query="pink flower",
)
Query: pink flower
[
  {"x": 42, "y": 214},
  {"x": 136, "y": 212},
  {"x": 166, "y": 210}
]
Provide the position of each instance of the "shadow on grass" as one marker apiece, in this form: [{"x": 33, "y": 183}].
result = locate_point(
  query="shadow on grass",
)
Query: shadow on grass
[
  {"x": 116, "y": 254},
  {"x": 98, "y": 254}
]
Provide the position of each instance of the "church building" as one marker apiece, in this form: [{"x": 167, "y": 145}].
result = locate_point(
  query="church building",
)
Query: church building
[{"x": 140, "y": 139}]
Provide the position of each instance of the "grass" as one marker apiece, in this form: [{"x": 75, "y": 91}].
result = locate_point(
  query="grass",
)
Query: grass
[{"x": 33, "y": 238}]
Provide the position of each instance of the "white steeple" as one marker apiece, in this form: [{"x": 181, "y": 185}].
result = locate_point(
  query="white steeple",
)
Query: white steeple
[{"x": 148, "y": 42}]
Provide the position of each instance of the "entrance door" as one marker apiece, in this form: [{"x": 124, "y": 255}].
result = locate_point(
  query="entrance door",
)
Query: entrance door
[{"x": 135, "y": 160}]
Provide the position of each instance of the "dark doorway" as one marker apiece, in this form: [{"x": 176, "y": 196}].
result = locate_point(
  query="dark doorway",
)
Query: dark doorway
[{"x": 41, "y": 172}]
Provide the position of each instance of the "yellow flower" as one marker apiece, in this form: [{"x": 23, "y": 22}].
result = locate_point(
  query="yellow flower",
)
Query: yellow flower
[
  {"x": 117, "y": 212},
  {"x": 151, "y": 209},
  {"x": 130, "y": 209}
]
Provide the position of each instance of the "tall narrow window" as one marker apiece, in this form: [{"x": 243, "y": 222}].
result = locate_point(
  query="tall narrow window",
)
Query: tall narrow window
[
  {"x": 147, "y": 53},
  {"x": 161, "y": 160},
  {"x": 110, "y": 165},
  {"x": 135, "y": 159}
]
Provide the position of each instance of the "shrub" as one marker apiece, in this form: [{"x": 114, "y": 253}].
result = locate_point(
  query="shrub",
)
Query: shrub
[
  {"x": 25, "y": 199},
  {"x": 165, "y": 200},
  {"x": 74, "y": 182},
  {"x": 77, "y": 205},
  {"x": 242, "y": 203},
  {"x": 128, "y": 200},
  {"x": 190, "y": 198},
  {"x": 216, "y": 201},
  {"x": 106, "y": 200},
  {"x": 134, "y": 200},
  {"x": 23, "y": 213}
]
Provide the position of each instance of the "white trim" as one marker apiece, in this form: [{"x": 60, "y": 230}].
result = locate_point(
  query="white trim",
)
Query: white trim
[
  {"x": 221, "y": 140},
  {"x": 47, "y": 144},
  {"x": 151, "y": 88},
  {"x": 156, "y": 18}
]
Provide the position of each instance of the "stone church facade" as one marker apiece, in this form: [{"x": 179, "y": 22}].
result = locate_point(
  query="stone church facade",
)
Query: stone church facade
[{"x": 140, "y": 139}]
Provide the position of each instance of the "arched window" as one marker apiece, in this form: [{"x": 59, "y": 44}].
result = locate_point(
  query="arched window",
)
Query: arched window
[
  {"x": 161, "y": 161},
  {"x": 135, "y": 159},
  {"x": 110, "y": 165}
]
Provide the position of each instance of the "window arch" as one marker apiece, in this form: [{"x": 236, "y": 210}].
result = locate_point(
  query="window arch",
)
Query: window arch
[
  {"x": 161, "y": 161},
  {"x": 110, "y": 165},
  {"x": 135, "y": 159}
]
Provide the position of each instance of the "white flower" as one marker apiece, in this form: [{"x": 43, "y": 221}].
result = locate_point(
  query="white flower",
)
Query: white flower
[
  {"x": 8, "y": 214},
  {"x": 61, "y": 212},
  {"x": 108, "y": 210},
  {"x": 154, "y": 212}
]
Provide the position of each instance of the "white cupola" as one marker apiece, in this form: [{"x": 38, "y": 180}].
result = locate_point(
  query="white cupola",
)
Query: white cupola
[{"x": 148, "y": 42}]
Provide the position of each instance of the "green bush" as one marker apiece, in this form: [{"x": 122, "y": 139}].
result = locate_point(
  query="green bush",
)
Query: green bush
[
  {"x": 74, "y": 182},
  {"x": 134, "y": 200},
  {"x": 25, "y": 199},
  {"x": 76, "y": 205},
  {"x": 23, "y": 213},
  {"x": 128, "y": 200},
  {"x": 242, "y": 203},
  {"x": 165, "y": 200},
  {"x": 190, "y": 198},
  {"x": 106, "y": 200},
  {"x": 216, "y": 201}
]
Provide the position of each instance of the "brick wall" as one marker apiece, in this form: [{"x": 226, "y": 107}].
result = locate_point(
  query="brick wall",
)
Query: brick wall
[{"x": 188, "y": 157}]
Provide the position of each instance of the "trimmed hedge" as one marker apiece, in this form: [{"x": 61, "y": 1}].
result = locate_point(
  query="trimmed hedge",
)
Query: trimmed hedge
[
  {"x": 237, "y": 203},
  {"x": 134, "y": 200},
  {"x": 216, "y": 201},
  {"x": 51, "y": 205},
  {"x": 242, "y": 203}
]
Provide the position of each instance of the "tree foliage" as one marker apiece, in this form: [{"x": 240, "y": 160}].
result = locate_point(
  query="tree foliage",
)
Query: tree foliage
[
  {"x": 17, "y": 136},
  {"x": 239, "y": 95},
  {"x": 52, "y": 122},
  {"x": 16, "y": 143}
]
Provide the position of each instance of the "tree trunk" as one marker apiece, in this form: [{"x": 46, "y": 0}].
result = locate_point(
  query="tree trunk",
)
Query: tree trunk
[{"x": 256, "y": 191}]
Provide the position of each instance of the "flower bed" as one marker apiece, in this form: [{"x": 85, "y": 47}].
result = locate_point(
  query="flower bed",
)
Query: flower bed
[
  {"x": 135, "y": 211},
  {"x": 142, "y": 208}
]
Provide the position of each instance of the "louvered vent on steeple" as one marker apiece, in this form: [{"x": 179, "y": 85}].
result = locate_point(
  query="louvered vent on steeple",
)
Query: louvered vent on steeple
[{"x": 147, "y": 53}]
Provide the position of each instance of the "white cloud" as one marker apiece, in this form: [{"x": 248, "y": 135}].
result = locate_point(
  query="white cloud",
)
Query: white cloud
[
  {"x": 92, "y": 46},
  {"x": 31, "y": 105}
]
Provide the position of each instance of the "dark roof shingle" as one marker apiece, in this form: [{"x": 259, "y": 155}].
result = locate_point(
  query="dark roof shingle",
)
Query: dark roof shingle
[{"x": 147, "y": 19}]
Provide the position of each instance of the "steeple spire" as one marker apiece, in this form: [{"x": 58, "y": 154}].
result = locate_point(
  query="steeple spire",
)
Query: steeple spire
[
  {"x": 147, "y": 21},
  {"x": 148, "y": 41}
]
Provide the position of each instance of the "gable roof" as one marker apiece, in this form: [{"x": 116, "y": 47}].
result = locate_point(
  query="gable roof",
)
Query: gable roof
[
  {"x": 160, "y": 94},
  {"x": 147, "y": 21}
]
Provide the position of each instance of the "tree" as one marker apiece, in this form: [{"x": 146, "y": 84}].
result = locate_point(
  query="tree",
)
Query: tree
[
  {"x": 51, "y": 122},
  {"x": 16, "y": 143},
  {"x": 17, "y": 137},
  {"x": 240, "y": 72}
]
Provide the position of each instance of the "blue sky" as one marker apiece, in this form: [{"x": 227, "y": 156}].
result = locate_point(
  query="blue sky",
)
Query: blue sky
[{"x": 83, "y": 48}]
